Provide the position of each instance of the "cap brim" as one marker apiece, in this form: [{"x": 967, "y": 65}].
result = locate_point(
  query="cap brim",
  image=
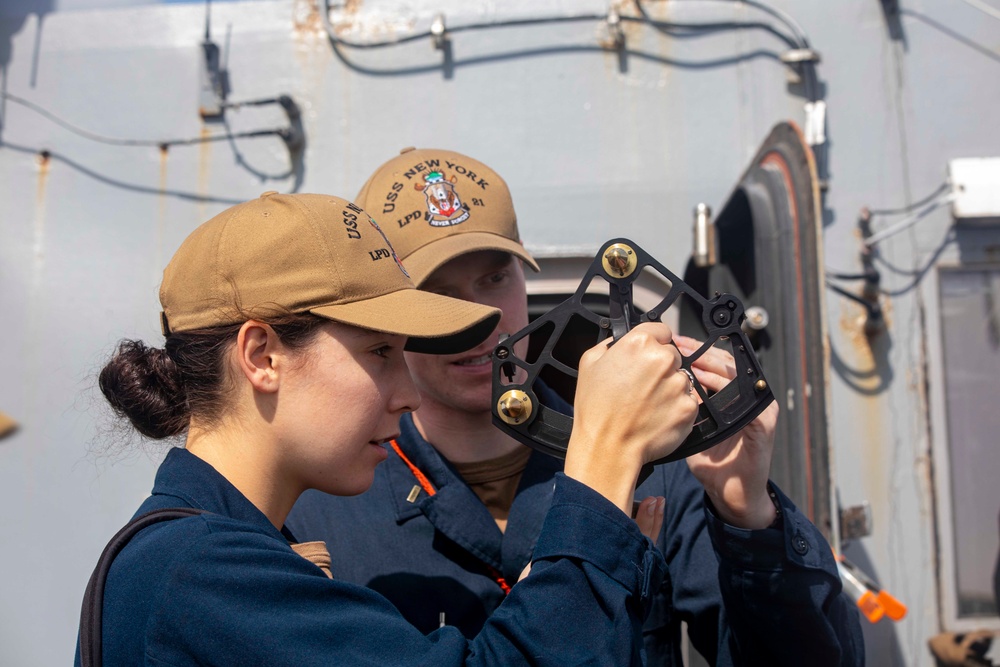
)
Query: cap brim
[
  {"x": 434, "y": 324},
  {"x": 423, "y": 261}
]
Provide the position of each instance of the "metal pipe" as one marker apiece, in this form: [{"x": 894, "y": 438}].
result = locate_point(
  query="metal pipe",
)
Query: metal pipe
[{"x": 704, "y": 252}]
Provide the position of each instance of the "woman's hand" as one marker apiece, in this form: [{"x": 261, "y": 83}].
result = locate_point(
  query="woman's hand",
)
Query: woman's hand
[
  {"x": 632, "y": 406},
  {"x": 734, "y": 472}
]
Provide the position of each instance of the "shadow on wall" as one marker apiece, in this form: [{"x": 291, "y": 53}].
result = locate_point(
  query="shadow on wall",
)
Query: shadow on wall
[
  {"x": 865, "y": 363},
  {"x": 13, "y": 15}
]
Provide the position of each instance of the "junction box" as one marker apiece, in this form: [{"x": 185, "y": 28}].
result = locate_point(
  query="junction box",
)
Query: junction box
[{"x": 975, "y": 187}]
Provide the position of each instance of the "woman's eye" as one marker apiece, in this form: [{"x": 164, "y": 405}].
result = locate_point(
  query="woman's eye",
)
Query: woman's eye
[{"x": 382, "y": 351}]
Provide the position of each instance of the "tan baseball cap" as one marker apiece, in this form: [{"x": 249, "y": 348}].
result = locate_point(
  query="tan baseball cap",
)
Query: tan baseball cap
[
  {"x": 436, "y": 205},
  {"x": 7, "y": 425},
  {"x": 308, "y": 253}
]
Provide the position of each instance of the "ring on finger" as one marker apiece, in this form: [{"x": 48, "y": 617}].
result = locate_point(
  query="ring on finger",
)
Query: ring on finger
[{"x": 690, "y": 378}]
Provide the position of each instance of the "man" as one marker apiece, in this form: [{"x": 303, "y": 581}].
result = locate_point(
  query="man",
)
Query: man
[{"x": 452, "y": 517}]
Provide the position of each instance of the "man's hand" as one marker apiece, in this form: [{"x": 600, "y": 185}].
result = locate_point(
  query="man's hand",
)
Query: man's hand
[
  {"x": 734, "y": 472},
  {"x": 649, "y": 516}
]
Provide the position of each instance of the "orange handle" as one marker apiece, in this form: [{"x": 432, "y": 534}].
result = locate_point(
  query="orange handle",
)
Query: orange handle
[
  {"x": 894, "y": 609},
  {"x": 873, "y": 602},
  {"x": 869, "y": 605}
]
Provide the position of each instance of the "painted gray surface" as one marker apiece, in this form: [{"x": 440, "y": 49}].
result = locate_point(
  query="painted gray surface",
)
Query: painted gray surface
[{"x": 589, "y": 151}]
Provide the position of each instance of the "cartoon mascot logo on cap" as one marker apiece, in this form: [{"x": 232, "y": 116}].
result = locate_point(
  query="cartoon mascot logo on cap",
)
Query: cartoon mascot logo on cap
[{"x": 444, "y": 207}]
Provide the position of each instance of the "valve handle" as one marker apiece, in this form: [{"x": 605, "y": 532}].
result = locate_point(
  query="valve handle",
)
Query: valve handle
[{"x": 518, "y": 412}]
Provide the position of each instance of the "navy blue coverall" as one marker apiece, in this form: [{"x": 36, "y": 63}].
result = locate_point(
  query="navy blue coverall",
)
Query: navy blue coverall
[
  {"x": 225, "y": 588},
  {"x": 749, "y": 597}
]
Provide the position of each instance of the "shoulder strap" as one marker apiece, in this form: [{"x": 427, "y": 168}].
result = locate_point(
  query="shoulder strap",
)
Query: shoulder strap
[{"x": 93, "y": 598}]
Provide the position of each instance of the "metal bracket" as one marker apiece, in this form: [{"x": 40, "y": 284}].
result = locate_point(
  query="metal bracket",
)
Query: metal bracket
[
  {"x": 620, "y": 262},
  {"x": 855, "y": 522},
  {"x": 214, "y": 79}
]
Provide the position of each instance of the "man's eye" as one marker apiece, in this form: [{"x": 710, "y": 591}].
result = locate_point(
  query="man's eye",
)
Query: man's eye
[
  {"x": 382, "y": 351},
  {"x": 498, "y": 277}
]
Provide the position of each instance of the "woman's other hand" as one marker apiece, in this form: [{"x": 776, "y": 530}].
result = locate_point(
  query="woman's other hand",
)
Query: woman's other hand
[{"x": 735, "y": 471}]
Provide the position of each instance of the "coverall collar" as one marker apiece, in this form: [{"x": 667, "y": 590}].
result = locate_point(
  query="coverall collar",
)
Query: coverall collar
[
  {"x": 456, "y": 511},
  {"x": 195, "y": 483}
]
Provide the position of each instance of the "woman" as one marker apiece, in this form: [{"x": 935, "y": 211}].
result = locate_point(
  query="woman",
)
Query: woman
[{"x": 285, "y": 321}]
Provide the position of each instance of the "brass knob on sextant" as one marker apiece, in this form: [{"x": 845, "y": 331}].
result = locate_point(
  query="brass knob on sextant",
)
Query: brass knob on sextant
[
  {"x": 619, "y": 260},
  {"x": 514, "y": 406},
  {"x": 760, "y": 385}
]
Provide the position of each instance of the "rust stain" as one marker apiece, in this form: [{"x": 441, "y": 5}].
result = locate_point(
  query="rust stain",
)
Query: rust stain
[
  {"x": 204, "y": 168},
  {"x": 161, "y": 220},
  {"x": 867, "y": 405},
  {"x": 312, "y": 48},
  {"x": 164, "y": 154},
  {"x": 44, "y": 161},
  {"x": 346, "y": 12},
  {"x": 852, "y": 325},
  {"x": 608, "y": 44},
  {"x": 33, "y": 351},
  {"x": 306, "y": 19},
  {"x": 631, "y": 30},
  {"x": 887, "y": 311},
  {"x": 345, "y": 21}
]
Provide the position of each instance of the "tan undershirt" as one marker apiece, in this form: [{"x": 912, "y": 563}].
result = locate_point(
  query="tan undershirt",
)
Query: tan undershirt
[
  {"x": 316, "y": 553},
  {"x": 495, "y": 481}
]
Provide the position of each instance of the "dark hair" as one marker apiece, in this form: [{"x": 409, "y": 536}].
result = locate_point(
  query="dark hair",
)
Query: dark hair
[{"x": 160, "y": 390}]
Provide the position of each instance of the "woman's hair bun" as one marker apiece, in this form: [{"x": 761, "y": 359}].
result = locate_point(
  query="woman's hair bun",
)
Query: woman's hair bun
[{"x": 143, "y": 385}]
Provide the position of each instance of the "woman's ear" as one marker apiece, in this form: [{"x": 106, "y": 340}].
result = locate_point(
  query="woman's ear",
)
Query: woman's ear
[{"x": 258, "y": 349}]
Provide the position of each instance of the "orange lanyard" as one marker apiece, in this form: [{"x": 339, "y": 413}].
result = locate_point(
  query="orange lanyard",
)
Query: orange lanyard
[
  {"x": 425, "y": 483},
  {"x": 428, "y": 488}
]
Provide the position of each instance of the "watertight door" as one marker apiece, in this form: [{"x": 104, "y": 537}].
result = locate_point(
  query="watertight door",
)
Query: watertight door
[{"x": 769, "y": 255}]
